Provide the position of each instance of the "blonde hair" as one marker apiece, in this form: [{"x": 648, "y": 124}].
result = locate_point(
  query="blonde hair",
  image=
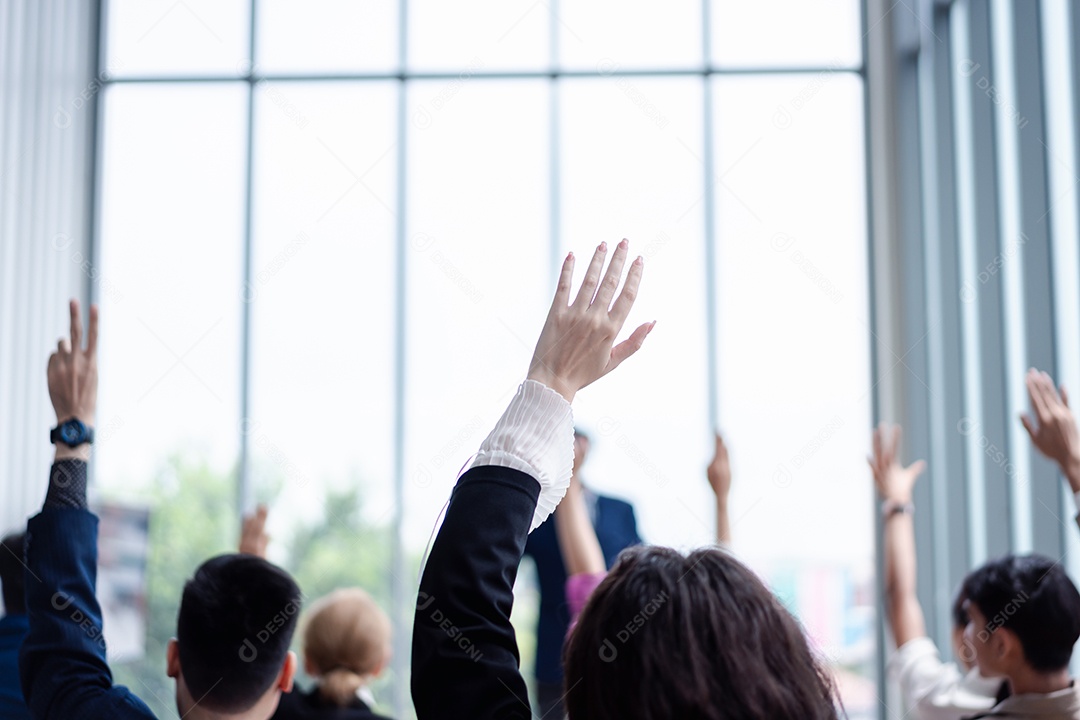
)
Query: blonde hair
[{"x": 346, "y": 639}]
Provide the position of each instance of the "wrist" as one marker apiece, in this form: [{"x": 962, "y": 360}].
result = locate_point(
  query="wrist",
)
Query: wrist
[
  {"x": 552, "y": 381},
  {"x": 1070, "y": 468},
  {"x": 892, "y": 507},
  {"x": 66, "y": 452},
  {"x": 83, "y": 416}
]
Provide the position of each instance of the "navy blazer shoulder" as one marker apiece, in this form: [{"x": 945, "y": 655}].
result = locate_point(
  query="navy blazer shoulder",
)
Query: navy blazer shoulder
[
  {"x": 616, "y": 529},
  {"x": 62, "y": 662}
]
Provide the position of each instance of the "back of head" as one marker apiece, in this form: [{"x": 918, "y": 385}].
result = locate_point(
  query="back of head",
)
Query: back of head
[
  {"x": 1033, "y": 597},
  {"x": 237, "y": 618},
  {"x": 698, "y": 636},
  {"x": 12, "y": 573},
  {"x": 346, "y": 639}
]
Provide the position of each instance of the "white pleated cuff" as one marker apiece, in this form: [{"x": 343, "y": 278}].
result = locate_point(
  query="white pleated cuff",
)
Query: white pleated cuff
[{"x": 536, "y": 436}]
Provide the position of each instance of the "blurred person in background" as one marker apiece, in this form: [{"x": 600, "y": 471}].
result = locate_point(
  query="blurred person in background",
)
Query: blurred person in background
[
  {"x": 13, "y": 626},
  {"x": 615, "y": 528},
  {"x": 346, "y": 645},
  {"x": 1025, "y": 620},
  {"x": 931, "y": 688}
]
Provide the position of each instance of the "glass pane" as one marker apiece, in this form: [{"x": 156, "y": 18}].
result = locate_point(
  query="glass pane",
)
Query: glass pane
[
  {"x": 476, "y": 35},
  {"x": 324, "y": 238},
  {"x": 165, "y": 37},
  {"x": 788, "y": 33},
  {"x": 327, "y": 36},
  {"x": 607, "y": 34},
  {"x": 478, "y": 238},
  {"x": 172, "y": 201},
  {"x": 630, "y": 173},
  {"x": 794, "y": 366},
  {"x": 322, "y": 344}
]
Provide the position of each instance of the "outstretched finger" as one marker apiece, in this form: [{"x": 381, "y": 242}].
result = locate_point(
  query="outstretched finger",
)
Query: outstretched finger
[
  {"x": 1038, "y": 400},
  {"x": 91, "y": 335},
  {"x": 612, "y": 277},
  {"x": 877, "y": 445},
  {"x": 621, "y": 309},
  {"x": 566, "y": 277},
  {"x": 63, "y": 346},
  {"x": 894, "y": 450},
  {"x": 592, "y": 277},
  {"x": 1050, "y": 390},
  {"x": 76, "y": 325},
  {"x": 629, "y": 346}
]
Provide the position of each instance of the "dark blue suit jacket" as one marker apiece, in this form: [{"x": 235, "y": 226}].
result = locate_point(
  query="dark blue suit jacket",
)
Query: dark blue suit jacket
[
  {"x": 64, "y": 673},
  {"x": 12, "y": 631},
  {"x": 616, "y": 529}
]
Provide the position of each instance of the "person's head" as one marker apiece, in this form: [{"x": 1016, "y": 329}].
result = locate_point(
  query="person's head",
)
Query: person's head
[
  {"x": 963, "y": 652},
  {"x": 1025, "y": 616},
  {"x": 581, "y": 449},
  {"x": 346, "y": 643},
  {"x": 231, "y": 654},
  {"x": 12, "y": 569},
  {"x": 668, "y": 635}
]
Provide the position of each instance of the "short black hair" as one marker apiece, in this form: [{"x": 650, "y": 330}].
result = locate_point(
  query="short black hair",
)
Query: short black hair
[
  {"x": 237, "y": 618},
  {"x": 13, "y": 573},
  {"x": 960, "y": 617},
  {"x": 1033, "y": 597}
]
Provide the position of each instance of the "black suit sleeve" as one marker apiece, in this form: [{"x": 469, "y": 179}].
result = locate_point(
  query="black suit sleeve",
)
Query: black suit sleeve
[{"x": 464, "y": 656}]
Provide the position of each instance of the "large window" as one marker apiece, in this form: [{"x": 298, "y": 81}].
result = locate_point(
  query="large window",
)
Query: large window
[{"x": 328, "y": 233}]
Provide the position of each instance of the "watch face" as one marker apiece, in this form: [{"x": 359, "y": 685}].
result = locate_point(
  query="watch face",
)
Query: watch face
[{"x": 71, "y": 432}]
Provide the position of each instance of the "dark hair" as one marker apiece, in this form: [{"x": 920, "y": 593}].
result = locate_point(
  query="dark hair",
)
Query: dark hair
[
  {"x": 960, "y": 617},
  {"x": 668, "y": 635},
  {"x": 12, "y": 573},
  {"x": 1033, "y": 597},
  {"x": 237, "y": 618}
]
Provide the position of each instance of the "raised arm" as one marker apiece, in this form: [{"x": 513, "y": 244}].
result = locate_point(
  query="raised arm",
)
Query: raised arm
[
  {"x": 1053, "y": 430},
  {"x": 894, "y": 485},
  {"x": 62, "y": 663},
  {"x": 465, "y": 657},
  {"x": 581, "y": 552},
  {"x": 253, "y": 537},
  {"x": 719, "y": 474}
]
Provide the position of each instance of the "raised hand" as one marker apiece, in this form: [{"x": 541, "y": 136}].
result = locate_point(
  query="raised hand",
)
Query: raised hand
[
  {"x": 1053, "y": 431},
  {"x": 894, "y": 482},
  {"x": 72, "y": 377},
  {"x": 253, "y": 537},
  {"x": 576, "y": 346},
  {"x": 719, "y": 470}
]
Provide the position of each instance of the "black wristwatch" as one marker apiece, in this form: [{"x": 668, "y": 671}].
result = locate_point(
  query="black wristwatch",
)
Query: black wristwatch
[{"x": 72, "y": 433}]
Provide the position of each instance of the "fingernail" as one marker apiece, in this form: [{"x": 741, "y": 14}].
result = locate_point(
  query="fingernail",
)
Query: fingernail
[
  {"x": 624, "y": 243},
  {"x": 570, "y": 255},
  {"x": 639, "y": 260},
  {"x": 603, "y": 247}
]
